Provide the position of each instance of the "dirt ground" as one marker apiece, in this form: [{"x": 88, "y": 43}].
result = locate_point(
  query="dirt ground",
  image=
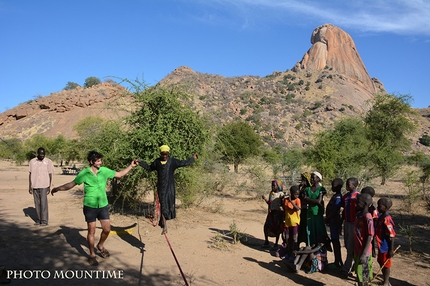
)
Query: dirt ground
[{"x": 140, "y": 255}]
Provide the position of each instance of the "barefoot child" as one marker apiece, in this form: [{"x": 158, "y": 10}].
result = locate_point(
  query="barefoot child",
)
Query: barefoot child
[
  {"x": 333, "y": 219},
  {"x": 275, "y": 215},
  {"x": 374, "y": 211},
  {"x": 349, "y": 215},
  {"x": 363, "y": 236},
  {"x": 385, "y": 237},
  {"x": 292, "y": 218}
]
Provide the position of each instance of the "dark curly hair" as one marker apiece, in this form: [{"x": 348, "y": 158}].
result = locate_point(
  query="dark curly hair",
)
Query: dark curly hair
[{"x": 93, "y": 156}]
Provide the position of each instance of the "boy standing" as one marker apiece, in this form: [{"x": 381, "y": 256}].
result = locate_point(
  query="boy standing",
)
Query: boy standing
[
  {"x": 374, "y": 211},
  {"x": 349, "y": 215},
  {"x": 363, "y": 236},
  {"x": 292, "y": 218},
  {"x": 385, "y": 237},
  {"x": 333, "y": 219}
]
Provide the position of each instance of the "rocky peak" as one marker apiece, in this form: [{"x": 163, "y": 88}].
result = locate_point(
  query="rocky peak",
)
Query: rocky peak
[{"x": 334, "y": 48}]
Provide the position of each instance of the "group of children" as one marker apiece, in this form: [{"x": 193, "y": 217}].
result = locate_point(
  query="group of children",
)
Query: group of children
[{"x": 366, "y": 227}]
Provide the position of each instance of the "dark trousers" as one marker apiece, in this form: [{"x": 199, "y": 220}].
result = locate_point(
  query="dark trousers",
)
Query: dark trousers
[{"x": 41, "y": 204}]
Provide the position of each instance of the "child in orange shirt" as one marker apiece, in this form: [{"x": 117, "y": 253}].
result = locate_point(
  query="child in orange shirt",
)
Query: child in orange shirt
[{"x": 292, "y": 207}]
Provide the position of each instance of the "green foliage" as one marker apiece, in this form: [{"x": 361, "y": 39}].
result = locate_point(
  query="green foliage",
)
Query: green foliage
[
  {"x": 425, "y": 140},
  {"x": 387, "y": 124},
  {"x": 292, "y": 160},
  {"x": 162, "y": 117},
  {"x": 341, "y": 151},
  {"x": 290, "y": 97},
  {"x": 409, "y": 232},
  {"x": 235, "y": 232},
  {"x": 318, "y": 80},
  {"x": 291, "y": 87},
  {"x": 71, "y": 85},
  {"x": 91, "y": 81},
  {"x": 412, "y": 190},
  {"x": 237, "y": 141},
  {"x": 317, "y": 105},
  {"x": 306, "y": 113},
  {"x": 12, "y": 149}
]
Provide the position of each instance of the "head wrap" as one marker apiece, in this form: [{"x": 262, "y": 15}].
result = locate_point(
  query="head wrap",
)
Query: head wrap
[
  {"x": 307, "y": 176},
  {"x": 278, "y": 184},
  {"x": 164, "y": 148},
  {"x": 318, "y": 175}
]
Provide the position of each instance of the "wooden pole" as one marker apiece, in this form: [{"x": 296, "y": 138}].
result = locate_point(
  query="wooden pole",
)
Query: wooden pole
[{"x": 383, "y": 265}]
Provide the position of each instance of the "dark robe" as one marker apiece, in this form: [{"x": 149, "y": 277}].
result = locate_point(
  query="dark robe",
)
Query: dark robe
[{"x": 166, "y": 183}]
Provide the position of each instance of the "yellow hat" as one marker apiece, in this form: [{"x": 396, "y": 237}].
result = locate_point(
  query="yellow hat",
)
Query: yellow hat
[{"x": 164, "y": 148}]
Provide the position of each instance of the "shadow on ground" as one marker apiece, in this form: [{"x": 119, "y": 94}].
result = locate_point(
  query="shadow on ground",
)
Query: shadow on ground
[{"x": 55, "y": 251}]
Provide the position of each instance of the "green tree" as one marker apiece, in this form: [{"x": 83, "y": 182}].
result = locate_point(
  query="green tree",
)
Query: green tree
[
  {"x": 341, "y": 151},
  {"x": 96, "y": 133},
  {"x": 162, "y": 116},
  {"x": 90, "y": 81},
  {"x": 292, "y": 160},
  {"x": 388, "y": 123},
  {"x": 12, "y": 149},
  {"x": 238, "y": 141},
  {"x": 34, "y": 142},
  {"x": 71, "y": 85}
]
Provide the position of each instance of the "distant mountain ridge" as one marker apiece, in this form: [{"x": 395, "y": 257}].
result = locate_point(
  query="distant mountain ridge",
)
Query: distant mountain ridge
[{"x": 285, "y": 107}]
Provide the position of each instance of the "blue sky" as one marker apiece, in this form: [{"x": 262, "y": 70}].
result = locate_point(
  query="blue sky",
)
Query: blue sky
[{"x": 46, "y": 43}]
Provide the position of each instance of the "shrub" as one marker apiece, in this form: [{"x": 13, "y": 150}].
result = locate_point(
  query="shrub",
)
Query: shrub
[
  {"x": 318, "y": 80},
  {"x": 71, "y": 85},
  {"x": 306, "y": 113},
  {"x": 425, "y": 140},
  {"x": 91, "y": 81}
]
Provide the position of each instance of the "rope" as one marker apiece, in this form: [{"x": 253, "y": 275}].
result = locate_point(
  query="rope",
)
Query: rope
[
  {"x": 155, "y": 217},
  {"x": 177, "y": 263}
]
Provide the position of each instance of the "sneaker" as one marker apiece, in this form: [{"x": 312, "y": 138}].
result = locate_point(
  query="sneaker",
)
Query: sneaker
[{"x": 44, "y": 224}]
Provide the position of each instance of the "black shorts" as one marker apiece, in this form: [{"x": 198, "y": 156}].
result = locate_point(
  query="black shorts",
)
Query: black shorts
[{"x": 91, "y": 214}]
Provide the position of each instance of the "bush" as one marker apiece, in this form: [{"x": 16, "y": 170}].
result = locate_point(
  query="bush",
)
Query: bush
[
  {"x": 91, "y": 81},
  {"x": 425, "y": 140},
  {"x": 71, "y": 85}
]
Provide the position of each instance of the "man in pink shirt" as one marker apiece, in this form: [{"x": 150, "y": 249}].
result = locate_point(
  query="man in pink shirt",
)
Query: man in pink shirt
[{"x": 40, "y": 180}]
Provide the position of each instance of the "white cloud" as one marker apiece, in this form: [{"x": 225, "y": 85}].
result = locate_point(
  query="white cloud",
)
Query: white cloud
[{"x": 407, "y": 17}]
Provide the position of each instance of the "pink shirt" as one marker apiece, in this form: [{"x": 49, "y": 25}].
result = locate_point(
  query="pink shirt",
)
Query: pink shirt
[{"x": 39, "y": 172}]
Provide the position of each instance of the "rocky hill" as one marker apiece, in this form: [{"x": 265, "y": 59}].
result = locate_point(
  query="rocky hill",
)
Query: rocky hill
[{"x": 286, "y": 107}]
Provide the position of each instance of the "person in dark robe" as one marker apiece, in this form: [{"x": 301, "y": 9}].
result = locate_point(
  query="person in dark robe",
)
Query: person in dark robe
[{"x": 165, "y": 167}]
